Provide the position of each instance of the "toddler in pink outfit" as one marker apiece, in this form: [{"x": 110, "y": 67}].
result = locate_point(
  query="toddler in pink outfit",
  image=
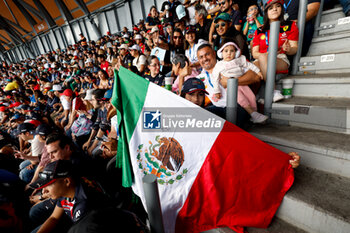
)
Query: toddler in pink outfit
[{"x": 235, "y": 65}]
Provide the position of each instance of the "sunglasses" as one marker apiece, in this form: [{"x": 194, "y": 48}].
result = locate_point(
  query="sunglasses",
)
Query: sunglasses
[
  {"x": 220, "y": 24},
  {"x": 177, "y": 37},
  {"x": 221, "y": 3}
]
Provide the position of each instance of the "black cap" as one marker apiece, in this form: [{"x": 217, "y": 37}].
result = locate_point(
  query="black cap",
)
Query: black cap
[
  {"x": 25, "y": 127},
  {"x": 43, "y": 130},
  {"x": 193, "y": 84},
  {"x": 53, "y": 171}
]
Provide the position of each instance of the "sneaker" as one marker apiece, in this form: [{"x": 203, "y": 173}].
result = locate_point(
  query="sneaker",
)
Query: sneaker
[
  {"x": 277, "y": 96},
  {"x": 258, "y": 118}
]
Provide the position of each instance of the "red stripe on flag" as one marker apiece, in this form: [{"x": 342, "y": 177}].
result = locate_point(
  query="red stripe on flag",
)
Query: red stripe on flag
[{"x": 241, "y": 183}]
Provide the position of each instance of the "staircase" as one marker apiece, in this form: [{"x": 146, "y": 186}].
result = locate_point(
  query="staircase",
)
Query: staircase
[{"x": 315, "y": 122}]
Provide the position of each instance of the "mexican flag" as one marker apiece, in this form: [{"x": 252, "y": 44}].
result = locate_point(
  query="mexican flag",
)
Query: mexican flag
[{"x": 210, "y": 172}]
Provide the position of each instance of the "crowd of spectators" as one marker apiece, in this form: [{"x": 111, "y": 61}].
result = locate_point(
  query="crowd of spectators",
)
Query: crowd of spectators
[{"x": 59, "y": 130}]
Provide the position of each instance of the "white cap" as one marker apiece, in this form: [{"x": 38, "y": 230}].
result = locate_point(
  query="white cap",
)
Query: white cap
[
  {"x": 89, "y": 94},
  {"x": 180, "y": 11},
  {"x": 46, "y": 65},
  {"x": 126, "y": 36},
  {"x": 88, "y": 60},
  {"x": 154, "y": 29},
  {"x": 135, "y": 47},
  {"x": 57, "y": 87},
  {"x": 138, "y": 37},
  {"x": 123, "y": 46}
]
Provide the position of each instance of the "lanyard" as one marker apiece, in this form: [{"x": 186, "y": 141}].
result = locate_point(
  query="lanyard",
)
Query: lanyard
[
  {"x": 267, "y": 41},
  {"x": 286, "y": 6},
  {"x": 208, "y": 76}
]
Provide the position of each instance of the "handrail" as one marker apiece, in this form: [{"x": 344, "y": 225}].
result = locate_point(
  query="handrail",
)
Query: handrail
[
  {"x": 154, "y": 211},
  {"x": 318, "y": 19},
  {"x": 271, "y": 66},
  {"x": 231, "y": 100},
  {"x": 301, "y": 27}
]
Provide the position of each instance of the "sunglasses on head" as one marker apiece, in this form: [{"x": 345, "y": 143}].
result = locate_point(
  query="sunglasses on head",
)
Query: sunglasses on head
[{"x": 220, "y": 24}]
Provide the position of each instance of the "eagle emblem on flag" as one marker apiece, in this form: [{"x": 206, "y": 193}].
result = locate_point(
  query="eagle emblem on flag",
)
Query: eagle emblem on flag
[{"x": 163, "y": 158}]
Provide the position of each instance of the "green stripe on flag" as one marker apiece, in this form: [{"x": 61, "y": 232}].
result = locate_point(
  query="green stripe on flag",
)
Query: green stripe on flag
[{"x": 129, "y": 94}]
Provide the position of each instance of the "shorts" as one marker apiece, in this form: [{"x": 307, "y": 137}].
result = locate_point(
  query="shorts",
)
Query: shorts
[{"x": 283, "y": 57}]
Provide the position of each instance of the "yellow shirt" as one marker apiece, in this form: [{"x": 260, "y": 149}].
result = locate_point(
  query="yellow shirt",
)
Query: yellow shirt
[{"x": 11, "y": 86}]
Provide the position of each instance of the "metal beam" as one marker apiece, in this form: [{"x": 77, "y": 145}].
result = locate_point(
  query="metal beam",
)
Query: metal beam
[
  {"x": 65, "y": 12},
  {"x": 47, "y": 17},
  {"x": 16, "y": 25},
  {"x": 86, "y": 11},
  {"x": 30, "y": 8},
  {"x": 9, "y": 8},
  {"x": 25, "y": 13}
]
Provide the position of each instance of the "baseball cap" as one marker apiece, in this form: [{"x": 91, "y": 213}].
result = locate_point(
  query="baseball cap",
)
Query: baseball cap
[
  {"x": 43, "y": 130},
  {"x": 88, "y": 95},
  {"x": 57, "y": 87},
  {"x": 53, "y": 171},
  {"x": 25, "y": 127},
  {"x": 123, "y": 46},
  {"x": 108, "y": 94},
  {"x": 68, "y": 92},
  {"x": 154, "y": 29},
  {"x": 126, "y": 36},
  {"x": 224, "y": 16},
  {"x": 135, "y": 47},
  {"x": 2, "y": 109},
  {"x": 138, "y": 37},
  {"x": 190, "y": 28},
  {"x": 193, "y": 84},
  {"x": 180, "y": 11},
  {"x": 268, "y": 3}
]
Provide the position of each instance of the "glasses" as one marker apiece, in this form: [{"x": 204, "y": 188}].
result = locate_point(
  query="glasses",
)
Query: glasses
[
  {"x": 220, "y": 24},
  {"x": 252, "y": 9},
  {"x": 177, "y": 37},
  {"x": 221, "y": 3}
]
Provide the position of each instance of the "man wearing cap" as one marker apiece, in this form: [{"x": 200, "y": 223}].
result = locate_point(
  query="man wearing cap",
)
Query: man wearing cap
[
  {"x": 125, "y": 56},
  {"x": 194, "y": 91},
  {"x": 75, "y": 196},
  {"x": 207, "y": 59},
  {"x": 139, "y": 60},
  {"x": 26, "y": 133}
]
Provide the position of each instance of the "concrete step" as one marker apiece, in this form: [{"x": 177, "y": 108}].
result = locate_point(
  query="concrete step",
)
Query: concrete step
[
  {"x": 336, "y": 26},
  {"x": 325, "y": 64},
  {"x": 330, "y": 44},
  {"x": 330, "y": 114},
  {"x": 277, "y": 226},
  {"x": 317, "y": 202},
  {"x": 321, "y": 85},
  {"x": 332, "y": 14},
  {"x": 326, "y": 151}
]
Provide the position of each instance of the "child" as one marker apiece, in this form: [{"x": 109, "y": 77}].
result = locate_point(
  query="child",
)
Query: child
[{"x": 235, "y": 65}]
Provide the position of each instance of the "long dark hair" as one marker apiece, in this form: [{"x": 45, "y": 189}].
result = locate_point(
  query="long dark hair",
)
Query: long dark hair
[{"x": 266, "y": 25}]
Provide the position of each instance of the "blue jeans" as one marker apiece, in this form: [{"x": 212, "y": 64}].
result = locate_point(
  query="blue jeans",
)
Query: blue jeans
[
  {"x": 25, "y": 174},
  {"x": 41, "y": 211}
]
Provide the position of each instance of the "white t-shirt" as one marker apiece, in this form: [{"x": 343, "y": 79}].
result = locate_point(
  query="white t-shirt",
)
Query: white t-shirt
[
  {"x": 191, "y": 53},
  {"x": 65, "y": 104},
  {"x": 209, "y": 87},
  {"x": 141, "y": 60},
  {"x": 37, "y": 146}
]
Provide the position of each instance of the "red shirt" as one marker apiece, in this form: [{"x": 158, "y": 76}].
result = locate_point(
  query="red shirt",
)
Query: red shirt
[
  {"x": 288, "y": 31},
  {"x": 104, "y": 66}
]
